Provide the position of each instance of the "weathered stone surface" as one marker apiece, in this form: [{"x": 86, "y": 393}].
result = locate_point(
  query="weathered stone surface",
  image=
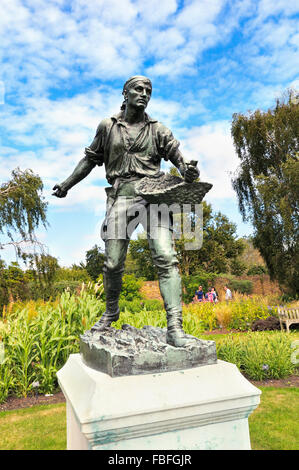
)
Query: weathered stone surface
[
  {"x": 133, "y": 351},
  {"x": 169, "y": 189}
]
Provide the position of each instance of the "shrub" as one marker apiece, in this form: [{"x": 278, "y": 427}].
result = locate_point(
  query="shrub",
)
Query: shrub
[
  {"x": 258, "y": 355},
  {"x": 241, "y": 285},
  {"x": 257, "y": 269},
  {"x": 190, "y": 284},
  {"x": 239, "y": 314},
  {"x": 270, "y": 323},
  {"x": 130, "y": 287},
  {"x": 202, "y": 314}
]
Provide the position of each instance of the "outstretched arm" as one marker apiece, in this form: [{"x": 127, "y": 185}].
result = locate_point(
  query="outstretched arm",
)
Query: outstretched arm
[{"x": 83, "y": 169}]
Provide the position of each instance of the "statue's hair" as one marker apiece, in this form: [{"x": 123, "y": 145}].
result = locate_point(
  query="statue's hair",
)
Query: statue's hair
[{"x": 130, "y": 82}]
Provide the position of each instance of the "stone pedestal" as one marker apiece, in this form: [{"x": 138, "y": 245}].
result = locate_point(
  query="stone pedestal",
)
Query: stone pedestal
[{"x": 204, "y": 407}]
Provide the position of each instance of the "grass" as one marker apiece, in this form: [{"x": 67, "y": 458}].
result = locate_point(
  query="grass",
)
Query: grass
[
  {"x": 273, "y": 425},
  {"x": 38, "y": 428}
]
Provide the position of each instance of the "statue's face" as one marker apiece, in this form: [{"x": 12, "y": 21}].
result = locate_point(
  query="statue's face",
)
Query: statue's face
[{"x": 139, "y": 94}]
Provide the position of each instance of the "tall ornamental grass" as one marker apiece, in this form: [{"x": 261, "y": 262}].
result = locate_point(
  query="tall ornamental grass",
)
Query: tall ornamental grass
[
  {"x": 39, "y": 338},
  {"x": 259, "y": 355},
  {"x": 238, "y": 314}
]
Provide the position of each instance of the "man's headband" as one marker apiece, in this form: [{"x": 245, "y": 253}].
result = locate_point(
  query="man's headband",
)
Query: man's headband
[{"x": 137, "y": 78}]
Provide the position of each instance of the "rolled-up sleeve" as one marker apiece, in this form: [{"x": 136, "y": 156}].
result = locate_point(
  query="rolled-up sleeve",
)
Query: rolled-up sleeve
[
  {"x": 168, "y": 148},
  {"x": 95, "y": 152}
]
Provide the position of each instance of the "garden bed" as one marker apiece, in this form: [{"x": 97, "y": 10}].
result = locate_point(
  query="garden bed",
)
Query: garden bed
[{"x": 14, "y": 403}]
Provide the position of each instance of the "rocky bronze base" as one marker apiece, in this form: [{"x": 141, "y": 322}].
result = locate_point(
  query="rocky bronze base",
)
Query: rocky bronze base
[{"x": 133, "y": 351}]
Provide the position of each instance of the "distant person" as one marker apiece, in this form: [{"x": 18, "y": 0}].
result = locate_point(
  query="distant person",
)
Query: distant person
[
  {"x": 228, "y": 293},
  {"x": 210, "y": 296},
  {"x": 215, "y": 294},
  {"x": 199, "y": 294}
]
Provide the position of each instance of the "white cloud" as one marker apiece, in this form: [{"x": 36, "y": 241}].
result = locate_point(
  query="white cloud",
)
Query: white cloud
[
  {"x": 212, "y": 146},
  {"x": 268, "y": 8},
  {"x": 63, "y": 64}
]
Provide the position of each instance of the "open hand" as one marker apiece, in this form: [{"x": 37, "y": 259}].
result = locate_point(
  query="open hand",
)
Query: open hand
[{"x": 58, "y": 191}]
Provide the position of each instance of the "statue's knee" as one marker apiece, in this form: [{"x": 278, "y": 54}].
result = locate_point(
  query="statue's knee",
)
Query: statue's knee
[
  {"x": 166, "y": 261},
  {"x": 113, "y": 266}
]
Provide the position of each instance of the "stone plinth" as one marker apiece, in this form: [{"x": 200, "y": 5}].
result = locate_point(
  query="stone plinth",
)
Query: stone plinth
[
  {"x": 133, "y": 351},
  {"x": 203, "y": 407}
]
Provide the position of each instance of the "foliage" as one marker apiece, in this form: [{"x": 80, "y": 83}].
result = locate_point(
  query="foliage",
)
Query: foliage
[
  {"x": 155, "y": 318},
  {"x": 13, "y": 283},
  {"x": 237, "y": 267},
  {"x": 256, "y": 269},
  {"x": 73, "y": 273},
  {"x": 42, "y": 271},
  {"x": 190, "y": 284},
  {"x": 241, "y": 285},
  {"x": 139, "y": 251},
  {"x": 245, "y": 311},
  {"x": 267, "y": 184},
  {"x": 221, "y": 248},
  {"x": 270, "y": 323},
  {"x": 219, "y": 252},
  {"x": 238, "y": 314},
  {"x": 251, "y": 256},
  {"x": 259, "y": 355},
  {"x": 199, "y": 317},
  {"x": 22, "y": 208},
  {"x": 94, "y": 262},
  {"x": 137, "y": 304},
  {"x": 38, "y": 338},
  {"x": 42, "y": 280},
  {"x": 130, "y": 287}
]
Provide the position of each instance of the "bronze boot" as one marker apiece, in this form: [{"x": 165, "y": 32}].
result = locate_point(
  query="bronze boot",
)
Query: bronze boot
[
  {"x": 112, "y": 288},
  {"x": 175, "y": 334}
]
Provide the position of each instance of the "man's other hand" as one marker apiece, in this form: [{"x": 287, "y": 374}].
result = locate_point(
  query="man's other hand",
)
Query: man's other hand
[
  {"x": 191, "y": 173},
  {"x": 58, "y": 191}
]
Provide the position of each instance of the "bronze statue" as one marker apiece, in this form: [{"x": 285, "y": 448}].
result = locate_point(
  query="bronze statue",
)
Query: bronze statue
[{"x": 131, "y": 145}]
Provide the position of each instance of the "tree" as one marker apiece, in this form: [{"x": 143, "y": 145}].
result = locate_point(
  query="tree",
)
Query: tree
[
  {"x": 94, "y": 262},
  {"x": 22, "y": 208},
  {"x": 139, "y": 251},
  {"x": 218, "y": 254},
  {"x": 251, "y": 256},
  {"x": 267, "y": 184},
  {"x": 221, "y": 248},
  {"x": 13, "y": 283},
  {"x": 42, "y": 274}
]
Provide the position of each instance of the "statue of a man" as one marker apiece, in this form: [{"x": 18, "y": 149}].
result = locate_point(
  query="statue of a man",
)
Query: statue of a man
[{"x": 131, "y": 145}]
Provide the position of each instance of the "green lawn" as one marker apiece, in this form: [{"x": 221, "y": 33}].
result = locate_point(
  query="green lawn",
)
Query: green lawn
[
  {"x": 273, "y": 425},
  {"x": 38, "y": 428}
]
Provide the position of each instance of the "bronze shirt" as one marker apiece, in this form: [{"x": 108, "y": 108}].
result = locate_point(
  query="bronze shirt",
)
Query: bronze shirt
[{"x": 113, "y": 147}]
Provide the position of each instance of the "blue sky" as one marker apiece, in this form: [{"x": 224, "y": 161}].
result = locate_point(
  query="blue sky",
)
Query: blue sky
[{"x": 63, "y": 65}]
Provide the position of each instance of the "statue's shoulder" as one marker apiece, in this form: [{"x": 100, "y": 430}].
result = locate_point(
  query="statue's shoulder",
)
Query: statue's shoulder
[
  {"x": 161, "y": 129},
  {"x": 105, "y": 124},
  {"x": 157, "y": 125}
]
